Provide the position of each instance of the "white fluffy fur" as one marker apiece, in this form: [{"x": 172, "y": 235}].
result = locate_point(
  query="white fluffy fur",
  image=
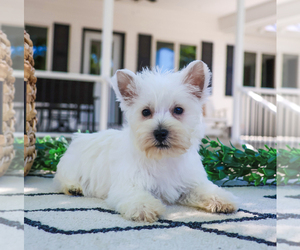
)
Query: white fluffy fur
[{"x": 127, "y": 169}]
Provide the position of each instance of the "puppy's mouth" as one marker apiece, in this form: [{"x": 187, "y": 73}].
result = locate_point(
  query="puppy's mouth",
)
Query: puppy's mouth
[{"x": 162, "y": 146}]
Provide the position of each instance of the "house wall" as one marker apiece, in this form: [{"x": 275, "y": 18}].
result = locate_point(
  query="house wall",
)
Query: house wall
[
  {"x": 176, "y": 26},
  {"x": 12, "y": 13}
]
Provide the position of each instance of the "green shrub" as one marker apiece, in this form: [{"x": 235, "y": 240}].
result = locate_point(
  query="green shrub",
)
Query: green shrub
[
  {"x": 288, "y": 165},
  {"x": 220, "y": 161},
  {"x": 256, "y": 166},
  {"x": 49, "y": 153}
]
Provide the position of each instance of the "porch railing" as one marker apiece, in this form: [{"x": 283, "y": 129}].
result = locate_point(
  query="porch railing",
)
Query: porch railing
[
  {"x": 270, "y": 116},
  {"x": 66, "y": 102}
]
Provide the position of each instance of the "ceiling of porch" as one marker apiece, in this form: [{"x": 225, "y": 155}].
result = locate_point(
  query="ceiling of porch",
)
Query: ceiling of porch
[
  {"x": 212, "y": 7},
  {"x": 260, "y": 15}
]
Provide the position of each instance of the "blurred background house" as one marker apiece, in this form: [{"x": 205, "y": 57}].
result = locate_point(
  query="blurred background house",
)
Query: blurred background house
[{"x": 67, "y": 37}]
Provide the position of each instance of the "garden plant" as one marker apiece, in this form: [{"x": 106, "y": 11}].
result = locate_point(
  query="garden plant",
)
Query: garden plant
[{"x": 262, "y": 166}]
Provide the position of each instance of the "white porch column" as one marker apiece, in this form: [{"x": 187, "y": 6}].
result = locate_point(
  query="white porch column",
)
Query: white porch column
[
  {"x": 107, "y": 35},
  {"x": 238, "y": 69}
]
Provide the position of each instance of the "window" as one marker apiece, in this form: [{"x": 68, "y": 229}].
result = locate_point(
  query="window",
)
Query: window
[
  {"x": 207, "y": 55},
  {"x": 289, "y": 72},
  {"x": 229, "y": 70},
  {"x": 39, "y": 37},
  {"x": 144, "y": 52},
  {"x": 91, "y": 48},
  {"x": 268, "y": 71},
  {"x": 16, "y": 37},
  {"x": 165, "y": 56},
  {"x": 249, "y": 69},
  {"x": 60, "y": 47},
  {"x": 95, "y": 55},
  {"x": 187, "y": 55}
]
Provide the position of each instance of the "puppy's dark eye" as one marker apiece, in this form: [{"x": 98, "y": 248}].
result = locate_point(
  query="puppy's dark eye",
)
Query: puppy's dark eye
[
  {"x": 146, "y": 112},
  {"x": 178, "y": 111}
]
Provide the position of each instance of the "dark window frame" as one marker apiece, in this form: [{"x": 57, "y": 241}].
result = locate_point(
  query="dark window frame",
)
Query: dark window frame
[
  {"x": 123, "y": 34},
  {"x": 208, "y": 57},
  {"x": 179, "y": 56},
  {"x": 48, "y": 29},
  {"x": 262, "y": 70},
  {"x": 255, "y": 68},
  {"x": 166, "y": 42},
  {"x": 144, "y": 52},
  {"x": 59, "y": 53},
  {"x": 229, "y": 70},
  {"x": 296, "y": 71}
]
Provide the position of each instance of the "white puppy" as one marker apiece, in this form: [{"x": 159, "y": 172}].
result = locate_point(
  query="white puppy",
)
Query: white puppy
[{"x": 154, "y": 159}]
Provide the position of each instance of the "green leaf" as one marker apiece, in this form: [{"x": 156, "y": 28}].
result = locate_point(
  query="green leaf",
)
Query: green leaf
[
  {"x": 214, "y": 144},
  {"x": 256, "y": 176},
  {"x": 246, "y": 178},
  {"x": 222, "y": 175},
  {"x": 271, "y": 159},
  {"x": 219, "y": 141},
  {"x": 204, "y": 141},
  {"x": 294, "y": 159},
  {"x": 291, "y": 172},
  {"x": 250, "y": 151},
  {"x": 289, "y": 147},
  {"x": 257, "y": 181},
  {"x": 52, "y": 151},
  {"x": 265, "y": 180},
  {"x": 231, "y": 177},
  {"x": 209, "y": 172},
  {"x": 227, "y": 159},
  {"x": 226, "y": 149},
  {"x": 48, "y": 161},
  {"x": 239, "y": 154},
  {"x": 49, "y": 145},
  {"x": 47, "y": 138},
  {"x": 269, "y": 172},
  {"x": 220, "y": 167},
  {"x": 285, "y": 180}
]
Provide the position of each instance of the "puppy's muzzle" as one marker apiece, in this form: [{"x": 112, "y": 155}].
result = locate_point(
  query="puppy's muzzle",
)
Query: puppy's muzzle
[{"x": 161, "y": 135}]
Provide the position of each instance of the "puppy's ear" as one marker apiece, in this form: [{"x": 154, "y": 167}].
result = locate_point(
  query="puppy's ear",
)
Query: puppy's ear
[
  {"x": 197, "y": 76},
  {"x": 124, "y": 84}
]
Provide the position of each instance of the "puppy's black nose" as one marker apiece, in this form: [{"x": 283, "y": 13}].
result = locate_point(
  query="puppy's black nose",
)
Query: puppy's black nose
[{"x": 160, "y": 134}]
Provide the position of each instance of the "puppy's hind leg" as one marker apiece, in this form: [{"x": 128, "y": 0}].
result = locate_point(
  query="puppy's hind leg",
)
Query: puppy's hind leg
[
  {"x": 74, "y": 190},
  {"x": 68, "y": 187}
]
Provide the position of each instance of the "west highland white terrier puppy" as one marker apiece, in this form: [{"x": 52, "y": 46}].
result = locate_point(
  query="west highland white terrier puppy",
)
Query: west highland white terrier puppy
[{"x": 154, "y": 160}]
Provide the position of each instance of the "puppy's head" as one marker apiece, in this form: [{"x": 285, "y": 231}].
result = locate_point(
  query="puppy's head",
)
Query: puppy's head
[{"x": 164, "y": 110}]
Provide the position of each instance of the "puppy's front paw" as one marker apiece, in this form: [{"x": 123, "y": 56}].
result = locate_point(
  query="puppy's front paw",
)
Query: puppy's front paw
[
  {"x": 216, "y": 201},
  {"x": 215, "y": 204},
  {"x": 144, "y": 212}
]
